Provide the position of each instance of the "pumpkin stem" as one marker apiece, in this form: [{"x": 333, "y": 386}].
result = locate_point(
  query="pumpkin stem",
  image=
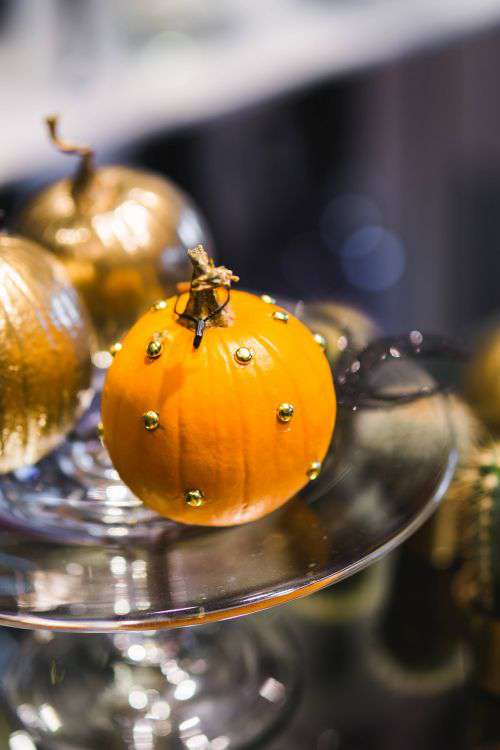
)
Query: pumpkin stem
[
  {"x": 205, "y": 302},
  {"x": 86, "y": 166}
]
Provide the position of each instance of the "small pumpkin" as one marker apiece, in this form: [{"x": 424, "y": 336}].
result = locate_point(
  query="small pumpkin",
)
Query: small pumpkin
[
  {"x": 482, "y": 379},
  {"x": 341, "y": 329},
  {"x": 45, "y": 340},
  {"x": 215, "y": 410},
  {"x": 121, "y": 233}
]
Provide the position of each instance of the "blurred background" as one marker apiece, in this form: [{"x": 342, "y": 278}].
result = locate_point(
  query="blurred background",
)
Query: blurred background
[
  {"x": 351, "y": 144},
  {"x": 345, "y": 149}
]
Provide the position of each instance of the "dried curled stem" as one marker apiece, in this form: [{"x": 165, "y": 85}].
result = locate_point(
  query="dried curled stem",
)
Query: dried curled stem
[
  {"x": 204, "y": 301},
  {"x": 205, "y": 274},
  {"x": 86, "y": 154}
]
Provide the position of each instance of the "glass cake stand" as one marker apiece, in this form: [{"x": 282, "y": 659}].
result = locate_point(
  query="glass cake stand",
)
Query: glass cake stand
[{"x": 146, "y": 679}]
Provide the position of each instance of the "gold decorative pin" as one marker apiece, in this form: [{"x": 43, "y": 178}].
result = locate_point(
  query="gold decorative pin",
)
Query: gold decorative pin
[
  {"x": 268, "y": 299},
  {"x": 115, "y": 348},
  {"x": 314, "y": 470},
  {"x": 285, "y": 412},
  {"x": 151, "y": 420},
  {"x": 243, "y": 355},
  {"x": 194, "y": 498},
  {"x": 160, "y": 305},
  {"x": 280, "y": 315},
  {"x": 154, "y": 349},
  {"x": 320, "y": 339}
]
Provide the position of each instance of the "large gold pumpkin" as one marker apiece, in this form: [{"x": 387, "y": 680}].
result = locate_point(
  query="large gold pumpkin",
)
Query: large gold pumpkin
[
  {"x": 45, "y": 340},
  {"x": 482, "y": 381},
  {"x": 122, "y": 234}
]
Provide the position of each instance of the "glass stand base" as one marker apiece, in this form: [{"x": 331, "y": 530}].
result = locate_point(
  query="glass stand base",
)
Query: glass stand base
[
  {"x": 216, "y": 687},
  {"x": 75, "y": 494}
]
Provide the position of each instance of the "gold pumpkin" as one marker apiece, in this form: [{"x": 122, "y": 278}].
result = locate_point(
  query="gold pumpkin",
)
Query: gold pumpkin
[
  {"x": 45, "y": 340},
  {"x": 482, "y": 381},
  {"x": 120, "y": 233},
  {"x": 338, "y": 328}
]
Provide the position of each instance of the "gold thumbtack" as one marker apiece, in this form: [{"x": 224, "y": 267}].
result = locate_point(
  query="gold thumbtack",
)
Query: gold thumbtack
[
  {"x": 320, "y": 339},
  {"x": 151, "y": 420},
  {"x": 154, "y": 349},
  {"x": 280, "y": 315},
  {"x": 243, "y": 355},
  {"x": 194, "y": 498},
  {"x": 160, "y": 305},
  {"x": 314, "y": 470},
  {"x": 285, "y": 412},
  {"x": 268, "y": 299},
  {"x": 115, "y": 348}
]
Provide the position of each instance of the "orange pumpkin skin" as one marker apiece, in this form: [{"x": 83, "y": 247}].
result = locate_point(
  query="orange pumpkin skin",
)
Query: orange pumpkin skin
[{"x": 218, "y": 426}]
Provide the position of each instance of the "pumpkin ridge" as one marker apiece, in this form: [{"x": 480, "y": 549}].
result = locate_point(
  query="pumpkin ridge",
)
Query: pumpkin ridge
[
  {"x": 226, "y": 348},
  {"x": 300, "y": 411},
  {"x": 37, "y": 299},
  {"x": 38, "y": 302},
  {"x": 27, "y": 432},
  {"x": 260, "y": 373}
]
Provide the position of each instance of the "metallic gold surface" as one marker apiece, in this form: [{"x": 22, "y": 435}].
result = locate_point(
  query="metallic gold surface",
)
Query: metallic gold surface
[
  {"x": 115, "y": 348},
  {"x": 482, "y": 381},
  {"x": 243, "y": 355},
  {"x": 285, "y": 412},
  {"x": 341, "y": 327},
  {"x": 119, "y": 232},
  {"x": 280, "y": 315},
  {"x": 194, "y": 498},
  {"x": 154, "y": 349},
  {"x": 45, "y": 341},
  {"x": 160, "y": 304},
  {"x": 314, "y": 470},
  {"x": 151, "y": 420},
  {"x": 321, "y": 340},
  {"x": 268, "y": 299}
]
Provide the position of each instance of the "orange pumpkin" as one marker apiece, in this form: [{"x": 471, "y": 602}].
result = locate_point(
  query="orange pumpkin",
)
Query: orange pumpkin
[{"x": 219, "y": 422}]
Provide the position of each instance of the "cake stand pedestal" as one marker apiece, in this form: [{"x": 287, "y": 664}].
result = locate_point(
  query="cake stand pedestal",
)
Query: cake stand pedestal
[{"x": 146, "y": 679}]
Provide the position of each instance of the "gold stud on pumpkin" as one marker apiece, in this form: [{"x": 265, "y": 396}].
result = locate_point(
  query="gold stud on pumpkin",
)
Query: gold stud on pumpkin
[
  {"x": 194, "y": 498},
  {"x": 314, "y": 470},
  {"x": 115, "y": 348},
  {"x": 268, "y": 299},
  {"x": 243, "y": 355},
  {"x": 160, "y": 305},
  {"x": 151, "y": 420},
  {"x": 280, "y": 315},
  {"x": 321, "y": 340},
  {"x": 154, "y": 349},
  {"x": 285, "y": 412}
]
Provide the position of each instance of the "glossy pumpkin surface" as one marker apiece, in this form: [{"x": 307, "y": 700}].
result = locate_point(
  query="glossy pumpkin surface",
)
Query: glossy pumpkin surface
[
  {"x": 45, "y": 340},
  {"x": 224, "y": 433},
  {"x": 482, "y": 380},
  {"x": 120, "y": 232}
]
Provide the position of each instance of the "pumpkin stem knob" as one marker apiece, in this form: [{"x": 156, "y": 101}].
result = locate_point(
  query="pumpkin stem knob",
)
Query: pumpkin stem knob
[
  {"x": 86, "y": 154},
  {"x": 205, "y": 306}
]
